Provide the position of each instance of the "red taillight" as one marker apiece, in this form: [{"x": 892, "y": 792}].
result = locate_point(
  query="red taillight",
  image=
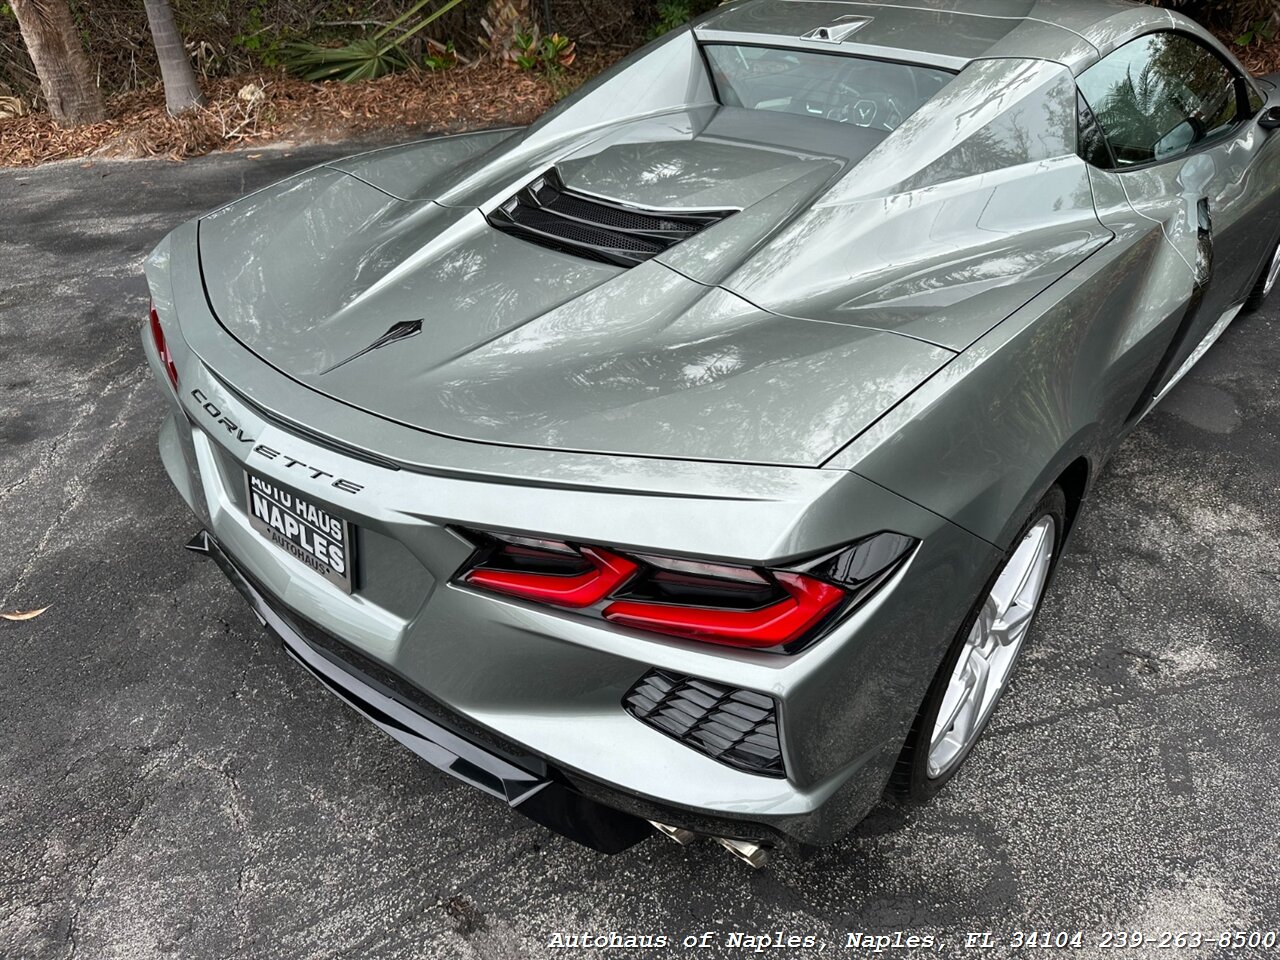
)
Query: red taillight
[
  {"x": 707, "y": 600},
  {"x": 807, "y": 602},
  {"x": 166, "y": 358},
  {"x": 604, "y": 573}
]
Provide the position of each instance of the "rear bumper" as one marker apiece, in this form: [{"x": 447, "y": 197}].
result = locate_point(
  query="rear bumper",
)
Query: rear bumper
[
  {"x": 540, "y": 688},
  {"x": 460, "y": 675},
  {"x": 568, "y": 804}
]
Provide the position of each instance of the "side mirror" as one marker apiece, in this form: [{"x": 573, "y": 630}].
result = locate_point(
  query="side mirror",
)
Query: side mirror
[{"x": 1270, "y": 118}]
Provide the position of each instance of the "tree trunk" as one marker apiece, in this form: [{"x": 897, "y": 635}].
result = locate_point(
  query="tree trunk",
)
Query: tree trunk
[
  {"x": 181, "y": 92},
  {"x": 54, "y": 47}
]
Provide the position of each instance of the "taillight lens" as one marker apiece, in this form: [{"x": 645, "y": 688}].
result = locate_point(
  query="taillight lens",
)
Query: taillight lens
[
  {"x": 712, "y": 602},
  {"x": 807, "y": 601},
  {"x": 162, "y": 348},
  {"x": 551, "y": 572}
]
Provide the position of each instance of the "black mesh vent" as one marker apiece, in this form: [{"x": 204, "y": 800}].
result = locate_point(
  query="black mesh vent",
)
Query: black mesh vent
[
  {"x": 549, "y": 213},
  {"x": 736, "y": 727},
  {"x": 579, "y": 208},
  {"x": 572, "y": 231}
]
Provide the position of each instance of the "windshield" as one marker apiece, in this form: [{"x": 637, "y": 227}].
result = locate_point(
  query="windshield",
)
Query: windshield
[{"x": 867, "y": 93}]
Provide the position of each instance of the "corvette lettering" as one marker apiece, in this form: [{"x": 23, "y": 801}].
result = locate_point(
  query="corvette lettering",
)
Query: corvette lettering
[
  {"x": 209, "y": 407},
  {"x": 262, "y": 450}
]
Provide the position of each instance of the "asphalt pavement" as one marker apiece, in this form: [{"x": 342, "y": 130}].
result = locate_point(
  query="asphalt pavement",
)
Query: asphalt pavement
[{"x": 173, "y": 785}]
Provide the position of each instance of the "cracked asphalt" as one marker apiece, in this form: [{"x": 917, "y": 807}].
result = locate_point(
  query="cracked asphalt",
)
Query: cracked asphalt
[{"x": 172, "y": 785}]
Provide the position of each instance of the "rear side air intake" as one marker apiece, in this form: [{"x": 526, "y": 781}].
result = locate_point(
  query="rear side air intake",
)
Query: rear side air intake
[
  {"x": 547, "y": 212},
  {"x": 737, "y": 727}
]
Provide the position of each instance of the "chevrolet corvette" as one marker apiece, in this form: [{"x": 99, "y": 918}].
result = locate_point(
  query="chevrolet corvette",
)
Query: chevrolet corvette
[{"x": 695, "y": 460}]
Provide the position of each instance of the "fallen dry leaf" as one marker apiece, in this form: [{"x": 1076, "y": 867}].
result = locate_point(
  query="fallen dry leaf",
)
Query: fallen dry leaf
[{"x": 22, "y": 614}]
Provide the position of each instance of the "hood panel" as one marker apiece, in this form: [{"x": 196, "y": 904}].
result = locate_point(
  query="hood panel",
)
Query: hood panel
[
  {"x": 653, "y": 364},
  {"x": 526, "y": 346},
  {"x": 312, "y": 272},
  {"x": 422, "y": 170}
]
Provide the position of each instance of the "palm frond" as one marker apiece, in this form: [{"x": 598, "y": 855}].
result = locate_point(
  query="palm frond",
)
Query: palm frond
[{"x": 365, "y": 59}]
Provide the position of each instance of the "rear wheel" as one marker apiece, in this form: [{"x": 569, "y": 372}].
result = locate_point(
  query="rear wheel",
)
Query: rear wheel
[
  {"x": 1266, "y": 283},
  {"x": 977, "y": 668}
]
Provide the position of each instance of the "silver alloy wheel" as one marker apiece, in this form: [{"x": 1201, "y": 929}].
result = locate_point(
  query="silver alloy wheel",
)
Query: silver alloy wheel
[
  {"x": 991, "y": 648},
  {"x": 1272, "y": 273}
]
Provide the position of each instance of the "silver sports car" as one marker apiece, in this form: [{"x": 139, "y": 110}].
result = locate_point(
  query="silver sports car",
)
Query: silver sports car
[{"x": 695, "y": 460}]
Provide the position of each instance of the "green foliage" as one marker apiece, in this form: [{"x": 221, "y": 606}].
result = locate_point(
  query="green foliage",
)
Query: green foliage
[
  {"x": 556, "y": 51},
  {"x": 671, "y": 14},
  {"x": 366, "y": 58},
  {"x": 512, "y": 37},
  {"x": 548, "y": 54},
  {"x": 258, "y": 39},
  {"x": 442, "y": 57},
  {"x": 1263, "y": 31},
  {"x": 676, "y": 13},
  {"x": 363, "y": 59},
  {"x": 526, "y": 51}
]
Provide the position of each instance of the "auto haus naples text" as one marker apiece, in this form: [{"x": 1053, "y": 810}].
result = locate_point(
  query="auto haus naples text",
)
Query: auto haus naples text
[{"x": 300, "y": 522}]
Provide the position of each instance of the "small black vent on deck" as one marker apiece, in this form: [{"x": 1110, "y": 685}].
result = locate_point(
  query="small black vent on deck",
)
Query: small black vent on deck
[
  {"x": 549, "y": 213},
  {"x": 736, "y": 727}
]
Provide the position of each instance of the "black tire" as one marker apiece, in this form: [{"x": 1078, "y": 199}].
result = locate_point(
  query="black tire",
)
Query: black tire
[
  {"x": 911, "y": 778},
  {"x": 1258, "y": 295}
]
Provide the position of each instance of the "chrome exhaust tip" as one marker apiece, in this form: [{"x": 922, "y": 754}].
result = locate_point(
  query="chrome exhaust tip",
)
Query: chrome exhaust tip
[
  {"x": 752, "y": 854},
  {"x": 679, "y": 834}
]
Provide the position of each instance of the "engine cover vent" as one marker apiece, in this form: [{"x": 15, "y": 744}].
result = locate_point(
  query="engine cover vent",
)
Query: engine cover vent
[{"x": 547, "y": 212}]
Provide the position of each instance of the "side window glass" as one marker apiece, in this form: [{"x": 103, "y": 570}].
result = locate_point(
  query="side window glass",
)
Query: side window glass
[
  {"x": 1158, "y": 96},
  {"x": 1093, "y": 145},
  {"x": 1256, "y": 100}
]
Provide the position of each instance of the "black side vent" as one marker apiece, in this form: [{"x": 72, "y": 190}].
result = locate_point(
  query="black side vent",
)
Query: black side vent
[
  {"x": 549, "y": 213},
  {"x": 736, "y": 727}
]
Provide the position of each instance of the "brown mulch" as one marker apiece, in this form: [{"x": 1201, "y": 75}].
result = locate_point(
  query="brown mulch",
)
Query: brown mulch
[
  {"x": 271, "y": 107},
  {"x": 1259, "y": 58}
]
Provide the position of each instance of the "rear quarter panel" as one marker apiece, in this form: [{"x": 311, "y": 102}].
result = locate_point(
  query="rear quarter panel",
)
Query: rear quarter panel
[{"x": 983, "y": 439}]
